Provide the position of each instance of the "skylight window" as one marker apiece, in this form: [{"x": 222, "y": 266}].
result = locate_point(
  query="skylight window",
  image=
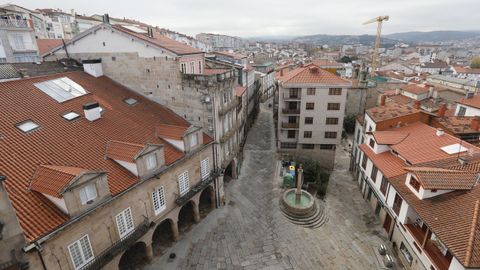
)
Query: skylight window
[
  {"x": 135, "y": 29},
  {"x": 70, "y": 116},
  {"x": 454, "y": 149},
  {"x": 27, "y": 126},
  {"x": 130, "y": 101},
  {"x": 61, "y": 89}
]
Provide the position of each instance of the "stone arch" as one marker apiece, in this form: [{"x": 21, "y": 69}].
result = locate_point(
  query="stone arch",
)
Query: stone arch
[
  {"x": 164, "y": 235},
  {"x": 134, "y": 257},
  {"x": 230, "y": 171},
  {"x": 187, "y": 216},
  {"x": 206, "y": 201}
]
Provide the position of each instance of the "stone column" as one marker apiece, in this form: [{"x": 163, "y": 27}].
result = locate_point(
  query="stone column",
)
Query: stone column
[
  {"x": 175, "y": 231},
  {"x": 196, "y": 213},
  {"x": 149, "y": 252}
]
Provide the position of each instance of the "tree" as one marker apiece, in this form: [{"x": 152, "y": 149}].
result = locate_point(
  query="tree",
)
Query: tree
[
  {"x": 346, "y": 59},
  {"x": 475, "y": 62},
  {"x": 349, "y": 123}
]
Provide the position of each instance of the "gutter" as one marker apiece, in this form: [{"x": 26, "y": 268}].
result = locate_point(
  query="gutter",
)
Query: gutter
[{"x": 36, "y": 243}]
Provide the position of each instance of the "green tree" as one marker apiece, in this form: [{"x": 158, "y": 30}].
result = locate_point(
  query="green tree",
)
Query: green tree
[
  {"x": 346, "y": 59},
  {"x": 475, "y": 62},
  {"x": 349, "y": 123}
]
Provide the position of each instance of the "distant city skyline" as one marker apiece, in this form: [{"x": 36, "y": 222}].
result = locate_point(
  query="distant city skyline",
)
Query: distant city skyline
[{"x": 282, "y": 18}]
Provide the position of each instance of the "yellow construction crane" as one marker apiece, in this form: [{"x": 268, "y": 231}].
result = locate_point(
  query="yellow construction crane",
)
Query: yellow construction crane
[{"x": 380, "y": 20}]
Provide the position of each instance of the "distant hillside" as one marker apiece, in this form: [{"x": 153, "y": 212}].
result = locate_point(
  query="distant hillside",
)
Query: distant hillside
[
  {"x": 342, "y": 39},
  {"x": 434, "y": 36}
]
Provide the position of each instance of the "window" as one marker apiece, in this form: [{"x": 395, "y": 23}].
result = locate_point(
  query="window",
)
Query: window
[
  {"x": 61, "y": 89},
  {"x": 406, "y": 253},
  {"x": 192, "y": 67},
  {"x": 27, "y": 126},
  {"x": 372, "y": 143},
  {"x": 70, "y": 116},
  {"x": 309, "y": 105},
  {"x": 311, "y": 91},
  {"x": 193, "y": 140},
  {"x": 332, "y": 121},
  {"x": 183, "y": 67},
  {"x": 328, "y": 146},
  {"x": 384, "y": 186},
  {"x": 294, "y": 92},
  {"x": 308, "y": 146},
  {"x": 183, "y": 183},
  {"x": 199, "y": 67},
  {"x": 158, "y": 199},
  {"x": 130, "y": 101},
  {"x": 124, "y": 222},
  {"x": 335, "y": 91},
  {"x": 151, "y": 161},
  {"x": 80, "y": 252},
  {"x": 373, "y": 175},
  {"x": 414, "y": 183},
  {"x": 291, "y": 134},
  {"x": 87, "y": 194},
  {"x": 364, "y": 162},
  {"x": 397, "y": 204},
  {"x": 308, "y": 120},
  {"x": 288, "y": 145},
  {"x": 333, "y": 106},
  {"x": 307, "y": 134},
  {"x": 330, "y": 135},
  {"x": 205, "y": 168},
  {"x": 461, "y": 111}
]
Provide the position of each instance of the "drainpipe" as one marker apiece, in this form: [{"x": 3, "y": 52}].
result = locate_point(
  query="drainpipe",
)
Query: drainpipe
[
  {"x": 215, "y": 152},
  {"x": 39, "y": 249}
]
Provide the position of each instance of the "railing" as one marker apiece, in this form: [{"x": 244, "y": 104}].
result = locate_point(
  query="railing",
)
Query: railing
[
  {"x": 228, "y": 107},
  {"x": 211, "y": 78},
  {"x": 291, "y": 96},
  {"x": 291, "y": 111},
  {"x": 290, "y": 125},
  {"x": 121, "y": 245},
  {"x": 14, "y": 23},
  {"x": 182, "y": 199}
]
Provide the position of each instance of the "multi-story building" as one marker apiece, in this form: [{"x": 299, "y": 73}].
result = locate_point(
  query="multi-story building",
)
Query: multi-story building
[
  {"x": 311, "y": 106},
  {"x": 221, "y": 42},
  {"x": 168, "y": 72},
  {"x": 58, "y": 24},
  {"x": 422, "y": 183},
  {"x": 17, "y": 36},
  {"x": 98, "y": 175},
  {"x": 468, "y": 106}
]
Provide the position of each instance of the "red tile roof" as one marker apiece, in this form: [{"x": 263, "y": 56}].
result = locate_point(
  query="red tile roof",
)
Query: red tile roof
[
  {"x": 161, "y": 41},
  {"x": 325, "y": 63},
  {"x": 389, "y": 137},
  {"x": 312, "y": 74},
  {"x": 471, "y": 102},
  {"x": 123, "y": 151},
  {"x": 45, "y": 45},
  {"x": 389, "y": 111},
  {"x": 78, "y": 143},
  {"x": 51, "y": 180},
  {"x": 233, "y": 55},
  {"x": 386, "y": 162},
  {"x": 170, "y": 132},
  {"x": 444, "y": 179},
  {"x": 209, "y": 71},
  {"x": 240, "y": 90},
  {"x": 415, "y": 88}
]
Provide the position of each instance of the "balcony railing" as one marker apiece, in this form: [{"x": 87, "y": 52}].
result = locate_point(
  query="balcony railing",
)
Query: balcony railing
[
  {"x": 211, "y": 78},
  {"x": 14, "y": 23},
  {"x": 182, "y": 199},
  {"x": 288, "y": 96},
  {"x": 290, "y": 125},
  {"x": 121, "y": 245},
  {"x": 291, "y": 111}
]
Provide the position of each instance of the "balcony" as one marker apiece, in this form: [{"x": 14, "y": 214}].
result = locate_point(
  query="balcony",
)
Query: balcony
[
  {"x": 211, "y": 79},
  {"x": 118, "y": 247},
  {"x": 225, "y": 108},
  {"x": 291, "y": 111},
  {"x": 229, "y": 158},
  {"x": 290, "y": 125},
  {"x": 202, "y": 184},
  {"x": 230, "y": 132},
  {"x": 14, "y": 23},
  {"x": 288, "y": 96}
]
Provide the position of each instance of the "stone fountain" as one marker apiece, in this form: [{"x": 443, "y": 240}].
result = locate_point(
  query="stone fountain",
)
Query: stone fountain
[{"x": 296, "y": 201}]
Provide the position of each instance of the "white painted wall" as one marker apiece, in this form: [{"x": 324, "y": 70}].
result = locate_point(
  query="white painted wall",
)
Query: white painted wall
[
  {"x": 60, "y": 203},
  {"x": 176, "y": 143},
  {"x": 471, "y": 111},
  {"x": 131, "y": 167}
]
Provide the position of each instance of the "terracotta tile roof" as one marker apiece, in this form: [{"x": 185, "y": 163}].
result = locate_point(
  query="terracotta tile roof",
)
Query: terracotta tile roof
[
  {"x": 458, "y": 124},
  {"x": 240, "y": 90},
  {"x": 170, "y": 132},
  {"x": 51, "y": 180},
  {"x": 123, "y": 151},
  {"x": 400, "y": 99},
  {"x": 389, "y": 137},
  {"x": 423, "y": 145},
  {"x": 78, "y": 143},
  {"x": 466, "y": 70},
  {"x": 444, "y": 179},
  {"x": 415, "y": 88},
  {"x": 471, "y": 102},
  {"x": 46, "y": 45},
  {"x": 312, "y": 74},
  {"x": 386, "y": 162},
  {"x": 389, "y": 110},
  {"x": 161, "y": 41},
  {"x": 210, "y": 71}
]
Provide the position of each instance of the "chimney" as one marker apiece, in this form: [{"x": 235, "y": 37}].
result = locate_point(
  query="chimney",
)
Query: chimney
[
  {"x": 93, "y": 67},
  {"x": 382, "y": 100},
  {"x": 442, "y": 110},
  {"x": 150, "y": 32},
  {"x": 281, "y": 72},
  {"x": 106, "y": 18},
  {"x": 475, "y": 124},
  {"x": 92, "y": 111},
  {"x": 416, "y": 105},
  {"x": 440, "y": 132},
  {"x": 313, "y": 69}
]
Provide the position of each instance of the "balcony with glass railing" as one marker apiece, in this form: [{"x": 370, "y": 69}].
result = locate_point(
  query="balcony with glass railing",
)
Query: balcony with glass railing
[{"x": 14, "y": 23}]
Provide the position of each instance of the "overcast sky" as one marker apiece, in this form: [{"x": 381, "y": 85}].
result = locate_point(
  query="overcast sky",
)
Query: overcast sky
[{"x": 247, "y": 18}]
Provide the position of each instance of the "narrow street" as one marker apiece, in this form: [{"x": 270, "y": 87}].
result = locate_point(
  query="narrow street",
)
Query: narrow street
[{"x": 250, "y": 232}]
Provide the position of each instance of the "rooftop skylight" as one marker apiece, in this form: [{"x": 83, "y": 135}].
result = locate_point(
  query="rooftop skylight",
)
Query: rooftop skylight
[
  {"x": 135, "y": 29},
  {"x": 454, "y": 149},
  {"x": 130, "y": 101},
  {"x": 27, "y": 126},
  {"x": 61, "y": 89},
  {"x": 70, "y": 116}
]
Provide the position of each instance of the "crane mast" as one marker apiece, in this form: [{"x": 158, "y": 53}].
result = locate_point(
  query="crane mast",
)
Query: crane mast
[{"x": 379, "y": 20}]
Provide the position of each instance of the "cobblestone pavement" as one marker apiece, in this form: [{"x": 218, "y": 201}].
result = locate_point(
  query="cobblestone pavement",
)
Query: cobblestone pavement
[{"x": 250, "y": 232}]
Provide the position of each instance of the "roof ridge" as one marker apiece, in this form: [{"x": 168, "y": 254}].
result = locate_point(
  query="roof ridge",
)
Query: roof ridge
[{"x": 471, "y": 238}]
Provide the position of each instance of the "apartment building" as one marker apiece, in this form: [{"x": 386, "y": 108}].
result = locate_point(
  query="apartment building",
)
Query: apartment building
[
  {"x": 468, "y": 106},
  {"x": 311, "y": 106},
  {"x": 98, "y": 175},
  {"x": 17, "y": 36},
  {"x": 168, "y": 72},
  {"x": 220, "y": 42},
  {"x": 57, "y": 24}
]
